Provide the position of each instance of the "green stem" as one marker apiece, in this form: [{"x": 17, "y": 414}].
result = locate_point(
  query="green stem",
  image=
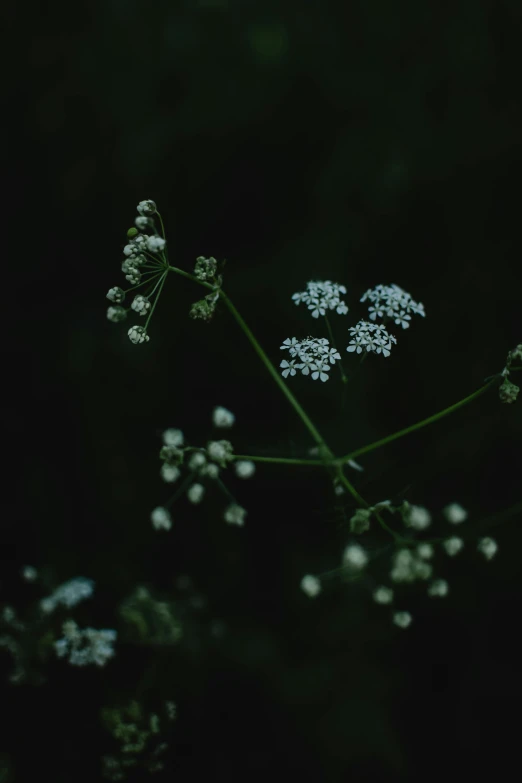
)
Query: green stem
[
  {"x": 277, "y": 378},
  {"x": 332, "y": 341},
  {"x": 362, "y": 502},
  {"x": 280, "y": 460},
  {"x": 389, "y": 438},
  {"x": 162, "y": 283}
]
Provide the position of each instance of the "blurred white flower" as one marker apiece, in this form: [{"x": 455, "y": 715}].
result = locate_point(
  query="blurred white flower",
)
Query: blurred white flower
[{"x": 310, "y": 585}]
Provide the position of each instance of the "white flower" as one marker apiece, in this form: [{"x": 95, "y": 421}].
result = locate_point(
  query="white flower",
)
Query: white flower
[
  {"x": 169, "y": 473},
  {"x": 355, "y": 556},
  {"x": 147, "y": 207},
  {"x": 321, "y": 296},
  {"x": 155, "y": 244},
  {"x": 313, "y": 356},
  {"x": 245, "y": 468},
  {"x": 425, "y": 551},
  {"x": 161, "y": 519},
  {"x": 195, "y": 493},
  {"x": 370, "y": 337},
  {"x": 220, "y": 451},
  {"x": 438, "y": 588},
  {"x": 211, "y": 470},
  {"x": 235, "y": 515},
  {"x": 383, "y": 595},
  {"x": 402, "y": 619},
  {"x": 221, "y": 417},
  {"x": 197, "y": 460},
  {"x": 488, "y": 546},
  {"x": 355, "y": 465},
  {"x": 87, "y": 646},
  {"x": 392, "y": 301},
  {"x": 453, "y": 545},
  {"x": 143, "y": 223},
  {"x": 29, "y": 573},
  {"x": 173, "y": 437},
  {"x": 69, "y": 594},
  {"x": 140, "y": 304},
  {"x": 116, "y": 314},
  {"x": 138, "y": 334},
  {"x": 409, "y": 566},
  {"x": 116, "y": 294},
  {"x": 454, "y": 513},
  {"x": 310, "y": 585},
  {"x": 417, "y": 517}
]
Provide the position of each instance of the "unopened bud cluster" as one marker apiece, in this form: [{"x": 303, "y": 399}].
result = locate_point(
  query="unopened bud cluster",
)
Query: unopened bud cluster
[
  {"x": 205, "y": 270},
  {"x": 508, "y": 391},
  {"x": 412, "y": 560},
  {"x": 203, "y": 464},
  {"x": 144, "y": 264}
]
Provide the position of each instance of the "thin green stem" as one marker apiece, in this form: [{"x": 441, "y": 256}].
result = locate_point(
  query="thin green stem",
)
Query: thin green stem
[
  {"x": 389, "y": 438},
  {"x": 162, "y": 283},
  {"x": 280, "y": 460},
  {"x": 362, "y": 502},
  {"x": 277, "y": 378},
  {"x": 332, "y": 341}
]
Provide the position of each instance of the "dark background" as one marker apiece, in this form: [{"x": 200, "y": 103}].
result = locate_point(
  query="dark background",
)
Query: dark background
[{"x": 366, "y": 143}]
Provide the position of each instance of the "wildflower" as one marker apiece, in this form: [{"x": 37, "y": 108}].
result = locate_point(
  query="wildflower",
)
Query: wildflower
[
  {"x": 169, "y": 473},
  {"x": 116, "y": 294},
  {"x": 195, "y": 493},
  {"x": 173, "y": 437},
  {"x": 310, "y": 585},
  {"x": 220, "y": 451},
  {"x": 416, "y": 517},
  {"x": 488, "y": 546},
  {"x": 321, "y": 296},
  {"x": 355, "y": 556},
  {"x": 68, "y": 594},
  {"x": 140, "y": 304},
  {"x": 409, "y": 566},
  {"x": 155, "y": 244},
  {"x": 360, "y": 522},
  {"x": 116, "y": 314},
  {"x": 392, "y": 302},
  {"x": 508, "y": 392},
  {"x": 425, "y": 551},
  {"x": 87, "y": 646},
  {"x": 453, "y": 545},
  {"x": 438, "y": 588},
  {"x": 383, "y": 595},
  {"x": 312, "y": 356},
  {"x": 205, "y": 268},
  {"x": 138, "y": 334},
  {"x": 161, "y": 519},
  {"x": 245, "y": 468},
  {"x": 211, "y": 470},
  {"x": 197, "y": 461},
  {"x": 221, "y": 417},
  {"x": 29, "y": 573},
  {"x": 454, "y": 513},
  {"x": 147, "y": 207},
  {"x": 235, "y": 515},
  {"x": 402, "y": 619},
  {"x": 369, "y": 337}
]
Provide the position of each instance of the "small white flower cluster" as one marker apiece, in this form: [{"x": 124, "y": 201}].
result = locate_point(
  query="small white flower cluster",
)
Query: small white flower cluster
[
  {"x": 322, "y": 295},
  {"x": 370, "y": 337},
  {"x": 68, "y": 594},
  {"x": 141, "y": 249},
  {"x": 409, "y": 564},
  {"x": 203, "y": 463},
  {"x": 85, "y": 647},
  {"x": 387, "y": 301},
  {"x": 205, "y": 269},
  {"x": 310, "y": 585},
  {"x": 391, "y": 301},
  {"x": 313, "y": 356}
]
